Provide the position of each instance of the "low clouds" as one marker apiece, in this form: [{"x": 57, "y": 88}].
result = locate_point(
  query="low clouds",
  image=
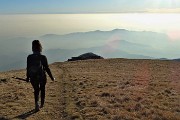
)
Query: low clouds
[{"x": 164, "y": 10}]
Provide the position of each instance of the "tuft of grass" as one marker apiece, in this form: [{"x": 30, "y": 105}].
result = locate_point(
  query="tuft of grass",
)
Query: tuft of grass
[
  {"x": 75, "y": 116},
  {"x": 94, "y": 103},
  {"x": 167, "y": 91},
  {"x": 105, "y": 94},
  {"x": 4, "y": 80}
]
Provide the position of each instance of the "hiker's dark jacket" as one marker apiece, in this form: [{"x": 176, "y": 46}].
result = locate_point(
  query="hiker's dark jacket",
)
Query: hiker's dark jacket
[{"x": 44, "y": 64}]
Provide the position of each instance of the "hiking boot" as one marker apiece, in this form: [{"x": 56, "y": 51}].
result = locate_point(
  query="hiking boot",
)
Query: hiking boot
[
  {"x": 42, "y": 104},
  {"x": 36, "y": 107}
]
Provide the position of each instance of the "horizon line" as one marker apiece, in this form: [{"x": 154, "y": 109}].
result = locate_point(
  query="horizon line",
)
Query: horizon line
[{"x": 135, "y": 12}]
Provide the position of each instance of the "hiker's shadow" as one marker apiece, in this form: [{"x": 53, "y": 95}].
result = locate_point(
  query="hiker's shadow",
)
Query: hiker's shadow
[{"x": 26, "y": 114}]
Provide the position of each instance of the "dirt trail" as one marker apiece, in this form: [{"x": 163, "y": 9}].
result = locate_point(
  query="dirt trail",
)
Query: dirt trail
[{"x": 17, "y": 100}]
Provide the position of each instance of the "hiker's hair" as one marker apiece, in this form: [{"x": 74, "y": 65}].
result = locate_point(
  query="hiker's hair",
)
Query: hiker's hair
[{"x": 36, "y": 46}]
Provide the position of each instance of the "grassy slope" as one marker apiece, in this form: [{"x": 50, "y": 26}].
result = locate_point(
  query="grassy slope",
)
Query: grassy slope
[
  {"x": 17, "y": 99},
  {"x": 99, "y": 89}
]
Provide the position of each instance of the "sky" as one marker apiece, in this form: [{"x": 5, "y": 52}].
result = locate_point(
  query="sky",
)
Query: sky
[{"x": 87, "y": 6}]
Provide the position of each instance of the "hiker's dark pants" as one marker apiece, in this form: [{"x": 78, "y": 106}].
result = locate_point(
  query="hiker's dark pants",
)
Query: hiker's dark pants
[{"x": 39, "y": 86}]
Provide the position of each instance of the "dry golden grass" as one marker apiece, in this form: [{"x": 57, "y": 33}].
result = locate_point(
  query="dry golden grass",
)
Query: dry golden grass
[
  {"x": 111, "y": 89},
  {"x": 122, "y": 89},
  {"x": 17, "y": 99}
]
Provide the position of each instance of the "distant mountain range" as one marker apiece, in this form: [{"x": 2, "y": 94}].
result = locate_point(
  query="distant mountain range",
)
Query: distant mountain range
[
  {"x": 118, "y": 43},
  {"x": 145, "y": 43}
]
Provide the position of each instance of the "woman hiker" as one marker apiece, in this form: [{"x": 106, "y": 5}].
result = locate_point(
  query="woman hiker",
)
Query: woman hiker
[{"x": 37, "y": 66}]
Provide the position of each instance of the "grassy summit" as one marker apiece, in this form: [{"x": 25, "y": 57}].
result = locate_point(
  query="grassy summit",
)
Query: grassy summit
[{"x": 105, "y": 89}]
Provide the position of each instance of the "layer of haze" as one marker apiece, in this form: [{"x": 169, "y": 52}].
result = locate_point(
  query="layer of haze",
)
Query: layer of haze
[{"x": 34, "y": 25}]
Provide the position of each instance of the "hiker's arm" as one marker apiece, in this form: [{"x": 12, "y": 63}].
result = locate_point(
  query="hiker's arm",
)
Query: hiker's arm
[
  {"x": 27, "y": 75},
  {"x": 46, "y": 66}
]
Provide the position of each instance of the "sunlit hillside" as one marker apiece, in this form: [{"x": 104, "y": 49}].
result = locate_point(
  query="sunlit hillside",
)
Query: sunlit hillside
[{"x": 109, "y": 89}]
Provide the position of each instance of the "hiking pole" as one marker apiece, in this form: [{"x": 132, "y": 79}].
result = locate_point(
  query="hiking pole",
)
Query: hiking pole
[{"x": 18, "y": 78}]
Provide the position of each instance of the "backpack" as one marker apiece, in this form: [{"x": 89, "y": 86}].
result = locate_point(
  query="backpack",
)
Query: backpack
[{"x": 35, "y": 67}]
